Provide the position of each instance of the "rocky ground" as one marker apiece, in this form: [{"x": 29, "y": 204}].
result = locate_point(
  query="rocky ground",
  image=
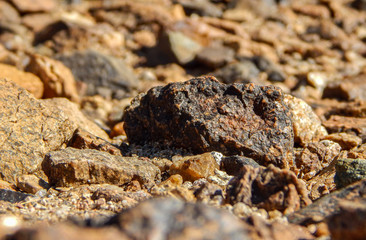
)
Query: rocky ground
[{"x": 182, "y": 119}]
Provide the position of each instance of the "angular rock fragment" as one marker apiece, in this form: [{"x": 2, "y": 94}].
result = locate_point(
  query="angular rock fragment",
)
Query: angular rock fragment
[
  {"x": 349, "y": 171},
  {"x": 345, "y": 140},
  {"x": 232, "y": 164},
  {"x": 172, "y": 219},
  {"x": 103, "y": 74},
  {"x": 347, "y": 89},
  {"x": 192, "y": 168},
  {"x": 269, "y": 188},
  {"x": 330, "y": 204},
  {"x": 31, "y": 184},
  {"x": 84, "y": 140},
  {"x": 12, "y": 196},
  {"x": 74, "y": 167},
  {"x": 57, "y": 78},
  {"x": 204, "y": 115},
  {"x": 356, "y": 125},
  {"x": 307, "y": 125},
  {"x": 315, "y": 157},
  {"x": 29, "y": 129},
  {"x": 26, "y": 80}
]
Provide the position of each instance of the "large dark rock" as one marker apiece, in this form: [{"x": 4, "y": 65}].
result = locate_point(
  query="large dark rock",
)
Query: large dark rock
[
  {"x": 204, "y": 115},
  {"x": 349, "y": 171}
]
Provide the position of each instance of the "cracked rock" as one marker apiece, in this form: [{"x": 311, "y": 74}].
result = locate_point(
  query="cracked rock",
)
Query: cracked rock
[{"x": 205, "y": 115}]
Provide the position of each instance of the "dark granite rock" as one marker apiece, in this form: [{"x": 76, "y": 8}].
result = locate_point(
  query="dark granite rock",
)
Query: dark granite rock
[
  {"x": 103, "y": 74},
  {"x": 269, "y": 188},
  {"x": 172, "y": 219},
  {"x": 204, "y": 115},
  {"x": 232, "y": 165},
  {"x": 349, "y": 171}
]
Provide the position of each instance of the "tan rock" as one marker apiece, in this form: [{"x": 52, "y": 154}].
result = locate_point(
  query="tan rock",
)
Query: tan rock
[
  {"x": 31, "y": 183},
  {"x": 57, "y": 78},
  {"x": 34, "y": 5},
  {"x": 307, "y": 126},
  {"x": 29, "y": 129},
  {"x": 76, "y": 116},
  {"x": 74, "y": 167},
  {"x": 26, "y": 80},
  {"x": 347, "y": 141},
  {"x": 195, "y": 167}
]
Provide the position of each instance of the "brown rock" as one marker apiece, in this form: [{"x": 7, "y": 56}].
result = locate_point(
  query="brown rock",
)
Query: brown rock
[
  {"x": 37, "y": 21},
  {"x": 67, "y": 231},
  {"x": 269, "y": 188},
  {"x": 76, "y": 116},
  {"x": 210, "y": 193},
  {"x": 195, "y": 167},
  {"x": 116, "y": 194},
  {"x": 57, "y": 78},
  {"x": 277, "y": 230},
  {"x": 359, "y": 152},
  {"x": 349, "y": 222},
  {"x": 25, "y": 6},
  {"x": 205, "y": 115},
  {"x": 29, "y": 130},
  {"x": 347, "y": 89},
  {"x": 307, "y": 126},
  {"x": 31, "y": 184},
  {"x": 8, "y": 13},
  {"x": 118, "y": 130},
  {"x": 74, "y": 167},
  {"x": 84, "y": 140},
  {"x": 174, "y": 180},
  {"x": 356, "y": 125},
  {"x": 314, "y": 157},
  {"x": 7, "y": 186},
  {"x": 172, "y": 219},
  {"x": 28, "y": 81},
  {"x": 330, "y": 204},
  {"x": 345, "y": 140}
]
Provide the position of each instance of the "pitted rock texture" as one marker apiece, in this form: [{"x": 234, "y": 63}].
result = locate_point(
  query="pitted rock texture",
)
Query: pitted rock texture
[
  {"x": 269, "y": 188},
  {"x": 74, "y": 167},
  {"x": 29, "y": 129},
  {"x": 204, "y": 115}
]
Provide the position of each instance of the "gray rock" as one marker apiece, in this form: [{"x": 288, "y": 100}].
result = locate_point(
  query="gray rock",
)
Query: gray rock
[
  {"x": 12, "y": 196},
  {"x": 74, "y": 167},
  {"x": 173, "y": 219},
  {"x": 232, "y": 165},
  {"x": 29, "y": 129},
  {"x": 349, "y": 171},
  {"x": 101, "y": 72},
  {"x": 215, "y": 56}
]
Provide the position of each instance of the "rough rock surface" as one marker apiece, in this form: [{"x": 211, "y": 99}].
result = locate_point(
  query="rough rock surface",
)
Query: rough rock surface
[
  {"x": 74, "y": 167},
  {"x": 232, "y": 165},
  {"x": 349, "y": 171},
  {"x": 307, "y": 125},
  {"x": 345, "y": 140},
  {"x": 103, "y": 74},
  {"x": 85, "y": 140},
  {"x": 26, "y": 80},
  {"x": 57, "y": 78},
  {"x": 315, "y": 157},
  {"x": 29, "y": 130},
  {"x": 76, "y": 116},
  {"x": 269, "y": 188},
  {"x": 330, "y": 204},
  {"x": 204, "y": 115},
  {"x": 172, "y": 219}
]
